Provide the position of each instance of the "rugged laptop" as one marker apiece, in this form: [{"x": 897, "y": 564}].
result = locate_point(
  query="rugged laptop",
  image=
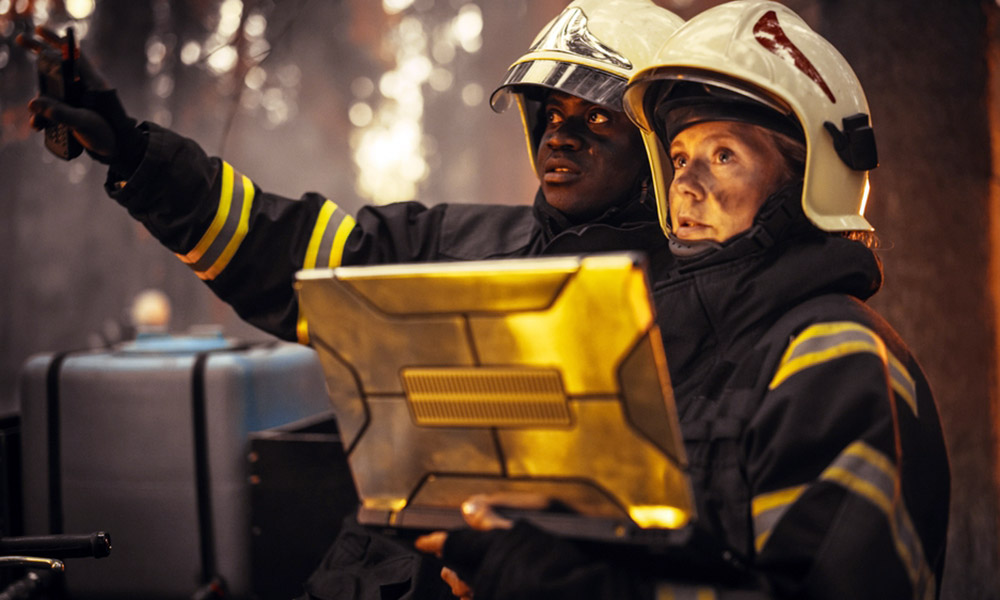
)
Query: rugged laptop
[{"x": 536, "y": 375}]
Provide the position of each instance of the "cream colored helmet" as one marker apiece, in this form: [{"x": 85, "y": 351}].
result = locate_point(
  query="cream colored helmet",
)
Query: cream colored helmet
[
  {"x": 766, "y": 53},
  {"x": 590, "y": 50}
]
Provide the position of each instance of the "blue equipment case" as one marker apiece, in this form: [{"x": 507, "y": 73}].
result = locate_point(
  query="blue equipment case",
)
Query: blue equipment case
[{"x": 148, "y": 441}]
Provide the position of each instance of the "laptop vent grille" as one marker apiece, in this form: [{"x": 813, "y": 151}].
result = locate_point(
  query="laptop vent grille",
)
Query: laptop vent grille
[{"x": 494, "y": 397}]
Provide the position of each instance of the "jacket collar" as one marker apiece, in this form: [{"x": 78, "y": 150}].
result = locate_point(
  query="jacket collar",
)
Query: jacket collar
[
  {"x": 720, "y": 302},
  {"x": 639, "y": 209}
]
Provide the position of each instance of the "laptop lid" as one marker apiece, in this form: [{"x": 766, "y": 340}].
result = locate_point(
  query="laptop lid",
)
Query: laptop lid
[{"x": 536, "y": 375}]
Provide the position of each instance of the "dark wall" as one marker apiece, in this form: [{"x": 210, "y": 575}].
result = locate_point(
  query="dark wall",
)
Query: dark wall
[
  {"x": 73, "y": 259},
  {"x": 923, "y": 65}
]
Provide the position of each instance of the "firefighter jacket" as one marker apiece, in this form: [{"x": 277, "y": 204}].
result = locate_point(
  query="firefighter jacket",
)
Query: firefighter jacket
[
  {"x": 813, "y": 439},
  {"x": 815, "y": 448},
  {"x": 247, "y": 244}
]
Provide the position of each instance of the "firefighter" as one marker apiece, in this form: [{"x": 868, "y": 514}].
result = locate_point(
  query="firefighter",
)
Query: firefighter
[
  {"x": 595, "y": 194},
  {"x": 247, "y": 244},
  {"x": 813, "y": 439}
]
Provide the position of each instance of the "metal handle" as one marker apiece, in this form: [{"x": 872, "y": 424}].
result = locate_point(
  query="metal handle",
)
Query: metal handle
[{"x": 32, "y": 562}]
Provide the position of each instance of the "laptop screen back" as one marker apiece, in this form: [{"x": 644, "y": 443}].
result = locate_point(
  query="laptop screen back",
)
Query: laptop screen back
[{"x": 538, "y": 375}]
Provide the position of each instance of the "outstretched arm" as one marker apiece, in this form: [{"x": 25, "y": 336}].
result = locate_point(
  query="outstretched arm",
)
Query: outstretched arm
[{"x": 245, "y": 243}]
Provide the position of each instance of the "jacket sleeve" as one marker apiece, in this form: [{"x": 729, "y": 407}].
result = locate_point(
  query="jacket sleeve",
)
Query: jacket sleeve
[
  {"x": 847, "y": 469},
  {"x": 247, "y": 244}
]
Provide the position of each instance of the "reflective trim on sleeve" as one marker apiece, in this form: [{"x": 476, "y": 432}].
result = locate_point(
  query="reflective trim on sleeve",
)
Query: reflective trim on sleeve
[
  {"x": 675, "y": 591},
  {"x": 326, "y": 244},
  {"x": 824, "y": 342},
  {"x": 767, "y": 509},
  {"x": 828, "y": 341},
  {"x": 325, "y": 249},
  {"x": 870, "y": 474},
  {"x": 902, "y": 383},
  {"x": 228, "y": 228}
]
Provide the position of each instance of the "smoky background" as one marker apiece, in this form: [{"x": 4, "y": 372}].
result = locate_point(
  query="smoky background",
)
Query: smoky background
[{"x": 368, "y": 101}]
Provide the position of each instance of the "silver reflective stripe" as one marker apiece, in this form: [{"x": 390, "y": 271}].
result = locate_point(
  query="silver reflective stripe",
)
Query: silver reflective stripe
[
  {"x": 228, "y": 228},
  {"x": 329, "y": 235},
  {"x": 824, "y": 342},
  {"x": 593, "y": 85},
  {"x": 902, "y": 383},
  {"x": 768, "y": 509},
  {"x": 869, "y": 473},
  {"x": 325, "y": 249}
]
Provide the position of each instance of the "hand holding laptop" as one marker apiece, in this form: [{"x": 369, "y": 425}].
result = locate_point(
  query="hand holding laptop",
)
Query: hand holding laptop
[{"x": 479, "y": 513}]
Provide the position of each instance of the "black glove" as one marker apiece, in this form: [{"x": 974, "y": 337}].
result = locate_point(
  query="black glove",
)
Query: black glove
[
  {"x": 99, "y": 123},
  {"x": 130, "y": 141},
  {"x": 526, "y": 563}
]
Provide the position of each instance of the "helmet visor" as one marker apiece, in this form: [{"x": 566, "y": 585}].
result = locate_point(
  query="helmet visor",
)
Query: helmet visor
[
  {"x": 593, "y": 85},
  {"x": 676, "y": 105}
]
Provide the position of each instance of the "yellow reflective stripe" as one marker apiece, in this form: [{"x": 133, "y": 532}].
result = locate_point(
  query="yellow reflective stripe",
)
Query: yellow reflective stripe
[
  {"x": 325, "y": 248},
  {"x": 675, "y": 591},
  {"x": 772, "y": 500},
  {"x": 902, "y": 383},
  {"x": 340, "y": 240},
  {"x": 221, "y": 213},
  {"x": 767, "y": 509},
  {"x": 828, "y": 341},
  {"x": 312, "y": 250},
  {"x": 870, "y": 474},
  {"x": 302, "y": 330},
  {"x": 824, "y": 342},
  {"x": 237, "y": 239}
]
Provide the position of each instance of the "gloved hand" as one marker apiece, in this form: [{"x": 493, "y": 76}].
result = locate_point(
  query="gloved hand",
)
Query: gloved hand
[
  {"x": 505, "y": 560},
  {"x": 525, "y": 563},
  {"x": 100, "y": 123}
]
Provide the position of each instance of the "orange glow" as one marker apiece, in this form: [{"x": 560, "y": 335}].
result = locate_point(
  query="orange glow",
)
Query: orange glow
[
  {"x": 864, "y": 196},
  {"x": 993, "y": 108}
]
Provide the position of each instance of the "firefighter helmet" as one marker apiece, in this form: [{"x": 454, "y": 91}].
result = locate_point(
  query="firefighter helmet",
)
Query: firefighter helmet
[
  {"x": 589, "y": 51},
  {"x": 765, "y": 54}
]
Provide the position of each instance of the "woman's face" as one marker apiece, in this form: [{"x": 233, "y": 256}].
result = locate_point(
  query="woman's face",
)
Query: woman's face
[{"x": 723, "y": 173}]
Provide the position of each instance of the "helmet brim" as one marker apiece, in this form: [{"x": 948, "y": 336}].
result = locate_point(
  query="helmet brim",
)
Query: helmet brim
[
  {"x": 593, "y": 85},
  {"x": 684, "y": 104}
]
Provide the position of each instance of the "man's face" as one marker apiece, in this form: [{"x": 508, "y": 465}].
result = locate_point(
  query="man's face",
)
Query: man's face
[
  {"x": 589, "y": 157},
  {"x": 723, "y": 173}
]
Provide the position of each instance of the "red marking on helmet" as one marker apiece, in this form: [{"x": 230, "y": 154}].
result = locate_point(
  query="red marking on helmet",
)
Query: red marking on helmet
[{"x": 768, "y": 32}]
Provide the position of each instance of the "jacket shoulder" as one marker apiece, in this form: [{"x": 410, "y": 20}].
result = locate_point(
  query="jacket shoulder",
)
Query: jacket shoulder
[{"x": 480, "y": 231}]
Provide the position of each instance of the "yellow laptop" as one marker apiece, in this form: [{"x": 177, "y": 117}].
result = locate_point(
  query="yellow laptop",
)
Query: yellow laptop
[{"x": 536, "y": 375}]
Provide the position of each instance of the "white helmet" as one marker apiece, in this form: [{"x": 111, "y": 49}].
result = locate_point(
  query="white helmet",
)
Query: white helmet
[
  {"x": 764, "y": 53},
  {"x": 590, "y": 50}
]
